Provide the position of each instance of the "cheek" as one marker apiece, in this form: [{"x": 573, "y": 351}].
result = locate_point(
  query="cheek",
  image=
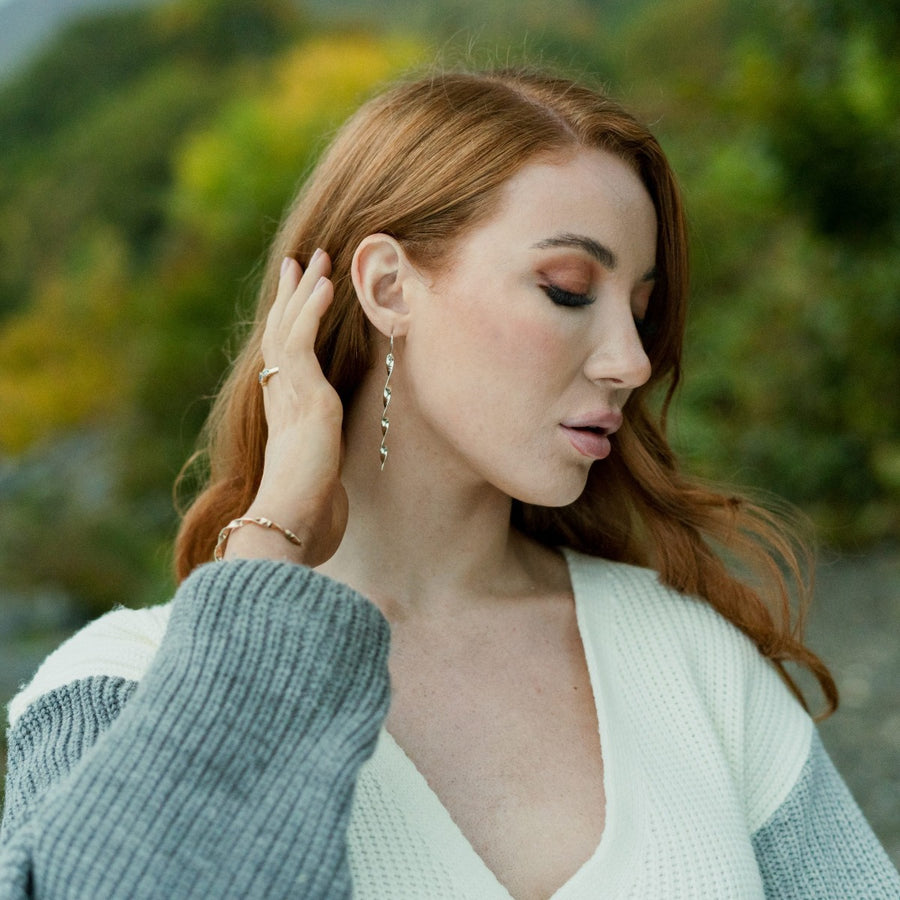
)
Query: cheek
[
  {"x": 516, "y": 345},
  {"x": 526, "y": 346}
]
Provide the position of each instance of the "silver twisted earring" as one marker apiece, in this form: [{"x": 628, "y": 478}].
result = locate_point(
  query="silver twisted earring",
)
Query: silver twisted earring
[{"x": 386, "y": 397}]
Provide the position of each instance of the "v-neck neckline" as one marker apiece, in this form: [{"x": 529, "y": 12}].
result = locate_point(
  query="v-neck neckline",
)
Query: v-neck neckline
[{"x": 595, "y": 623}]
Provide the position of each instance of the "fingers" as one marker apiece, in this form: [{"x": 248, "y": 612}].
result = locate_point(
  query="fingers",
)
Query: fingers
[
  {"x": 300, "y": 301},
  {"x": 287, "y": 284},
  {"x": 301, "y": 475},
  {"x": 319, "y": 267},
  {"x": 295, "y": 286},
  {"x": 305, "y": 325}
]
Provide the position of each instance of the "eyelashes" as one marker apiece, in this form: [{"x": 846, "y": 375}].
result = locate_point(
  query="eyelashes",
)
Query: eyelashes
[
  {"x": 646, "y": 328},
  {"x": 566, "y": 298}
]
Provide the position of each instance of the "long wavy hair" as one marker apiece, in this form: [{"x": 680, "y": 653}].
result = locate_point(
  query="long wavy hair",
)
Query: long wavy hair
[{"x": 424, "y": 162}]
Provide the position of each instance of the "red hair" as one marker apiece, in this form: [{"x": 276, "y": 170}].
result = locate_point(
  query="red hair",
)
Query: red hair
[{"x": 425, "y": 161}]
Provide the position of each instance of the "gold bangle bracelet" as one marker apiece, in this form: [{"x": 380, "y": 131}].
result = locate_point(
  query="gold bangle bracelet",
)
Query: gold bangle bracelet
[{"x": 261, "y": 521}]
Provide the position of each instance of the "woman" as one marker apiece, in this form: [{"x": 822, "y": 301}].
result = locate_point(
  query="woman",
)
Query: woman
[{"x": 440, "y": 430}]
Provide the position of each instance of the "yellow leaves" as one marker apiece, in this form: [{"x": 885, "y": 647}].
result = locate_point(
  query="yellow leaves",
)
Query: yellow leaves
[
  {"x": 326, "y": 78},
  {"x": 243, "y": 169},
  {"x": 64, "y": 360}
]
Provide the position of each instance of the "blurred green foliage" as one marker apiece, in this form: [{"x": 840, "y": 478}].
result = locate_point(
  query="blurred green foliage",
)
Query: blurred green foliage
[{"x": 147, "y": 156}]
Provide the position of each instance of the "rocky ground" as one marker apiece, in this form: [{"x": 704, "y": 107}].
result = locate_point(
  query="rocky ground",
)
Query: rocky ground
[{"x": 855, "y": 627}]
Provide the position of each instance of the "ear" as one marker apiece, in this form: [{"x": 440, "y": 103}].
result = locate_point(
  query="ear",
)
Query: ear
[{"x": 382, "y": 277}]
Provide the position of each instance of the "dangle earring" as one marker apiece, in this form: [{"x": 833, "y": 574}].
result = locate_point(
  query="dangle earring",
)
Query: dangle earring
[{"x": 386, "y": 397}]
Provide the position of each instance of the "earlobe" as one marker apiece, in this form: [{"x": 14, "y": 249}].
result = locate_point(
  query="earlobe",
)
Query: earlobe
[{"x": 379, "y": 272}]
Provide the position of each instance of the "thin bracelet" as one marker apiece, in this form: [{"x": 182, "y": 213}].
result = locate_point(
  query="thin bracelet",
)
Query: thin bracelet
[{"x": 234, "y": 524}]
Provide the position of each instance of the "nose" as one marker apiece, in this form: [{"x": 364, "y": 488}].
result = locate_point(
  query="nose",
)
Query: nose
[{"x": 618, "y": 356}]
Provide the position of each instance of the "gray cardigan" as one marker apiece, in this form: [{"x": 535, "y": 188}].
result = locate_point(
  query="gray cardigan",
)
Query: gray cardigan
[{"x": 228, "y": 773}]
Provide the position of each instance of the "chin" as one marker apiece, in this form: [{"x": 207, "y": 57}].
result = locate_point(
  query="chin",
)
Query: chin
[{"x": 563, "y": 493}]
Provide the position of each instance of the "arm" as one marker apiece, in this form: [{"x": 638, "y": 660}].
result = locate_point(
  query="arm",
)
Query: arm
[
  {"x": 230, "y": 772},
  {"x": 818, "y": 846}
]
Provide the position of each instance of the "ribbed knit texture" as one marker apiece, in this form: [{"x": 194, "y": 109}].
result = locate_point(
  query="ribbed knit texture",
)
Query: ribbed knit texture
[
  {"x": 703, "y": 745},
  {"x": 122, "y": 644},
  {"x": 229, "y": 773},
  {"x": 56, "y": 732},
  {"x": 809, "y": 846}
]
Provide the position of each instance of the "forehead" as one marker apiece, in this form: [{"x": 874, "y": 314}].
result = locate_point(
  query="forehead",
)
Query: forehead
[{"x": 592, "y": 192}]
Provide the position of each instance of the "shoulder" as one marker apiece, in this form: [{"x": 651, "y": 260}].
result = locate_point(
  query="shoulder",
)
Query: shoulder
[
  {"x": 120, "y": 644},
  {"x": 686, "y": 662},
  {"x": 818, "y": 843},
  {"x": 639, "y": 601},
  {"x": 643, "y": 607}
]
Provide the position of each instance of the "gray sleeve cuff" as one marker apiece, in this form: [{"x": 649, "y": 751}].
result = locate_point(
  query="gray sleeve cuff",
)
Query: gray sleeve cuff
[{"x": 818, "y": 845}]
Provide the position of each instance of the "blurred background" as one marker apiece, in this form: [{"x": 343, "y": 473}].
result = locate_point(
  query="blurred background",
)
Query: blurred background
[{"x": 147, "y": 151}]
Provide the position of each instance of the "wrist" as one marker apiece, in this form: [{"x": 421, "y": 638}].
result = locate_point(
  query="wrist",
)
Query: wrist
[{"x": 254, "y": 536}]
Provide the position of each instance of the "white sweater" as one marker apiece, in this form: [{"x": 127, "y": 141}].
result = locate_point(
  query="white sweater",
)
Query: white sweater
[
  {"x": 702, "y": 743},
  {"x": 716, "y": 783}
]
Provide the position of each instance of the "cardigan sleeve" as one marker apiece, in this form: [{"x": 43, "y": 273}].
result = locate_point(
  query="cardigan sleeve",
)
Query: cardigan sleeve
[
  {"x": 818, "y": 846},
  {"x": 228, "y": 771},
  {"x": 810, "y": 838}
]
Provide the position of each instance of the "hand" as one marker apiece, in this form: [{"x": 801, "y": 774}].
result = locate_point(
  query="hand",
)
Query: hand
[{"x": 301, "y": 487}]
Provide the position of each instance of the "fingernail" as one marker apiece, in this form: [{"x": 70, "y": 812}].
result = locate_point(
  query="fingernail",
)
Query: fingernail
[
  {"x": 284, "y": 264},
  {"x": 320, "y": 282},
  {"x": 316, "y": 255}
]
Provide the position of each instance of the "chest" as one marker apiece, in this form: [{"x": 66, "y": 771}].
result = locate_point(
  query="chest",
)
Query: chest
[
  {"x": 501, "y": 724},
  {"x": 678, "y": 791}
]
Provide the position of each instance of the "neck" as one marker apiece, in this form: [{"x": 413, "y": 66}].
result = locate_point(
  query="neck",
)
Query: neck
[{"x": 424, "y": 536}]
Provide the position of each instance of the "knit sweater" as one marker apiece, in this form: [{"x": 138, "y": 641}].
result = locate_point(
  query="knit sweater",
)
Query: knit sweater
[
  {"x": 226, "y": 772},
  {"x": 218, "y": 747}
]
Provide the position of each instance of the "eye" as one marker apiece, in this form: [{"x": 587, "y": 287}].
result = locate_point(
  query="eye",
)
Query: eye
[{"x": 566, "y": 298}]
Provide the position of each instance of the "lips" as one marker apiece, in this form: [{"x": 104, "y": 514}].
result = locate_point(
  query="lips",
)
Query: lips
[{"x": 589, "y": 434}]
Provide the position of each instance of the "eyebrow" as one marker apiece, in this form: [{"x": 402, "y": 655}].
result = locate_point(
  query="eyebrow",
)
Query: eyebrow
[{"x": 599, "y": 251}]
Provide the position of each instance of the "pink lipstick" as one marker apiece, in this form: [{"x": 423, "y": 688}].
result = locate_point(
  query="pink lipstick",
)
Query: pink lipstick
[
  {"x": 589, "y": 443},
  {"x": 589, "y": 434}
]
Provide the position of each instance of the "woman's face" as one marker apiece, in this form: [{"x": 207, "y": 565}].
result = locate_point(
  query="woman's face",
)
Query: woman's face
[{"x": 521, "y": 352}]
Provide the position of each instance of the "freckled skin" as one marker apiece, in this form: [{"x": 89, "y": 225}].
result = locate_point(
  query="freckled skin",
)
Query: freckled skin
[
  {"x": 494, "y": 366},
  {"x": 490, "y": 693}
]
